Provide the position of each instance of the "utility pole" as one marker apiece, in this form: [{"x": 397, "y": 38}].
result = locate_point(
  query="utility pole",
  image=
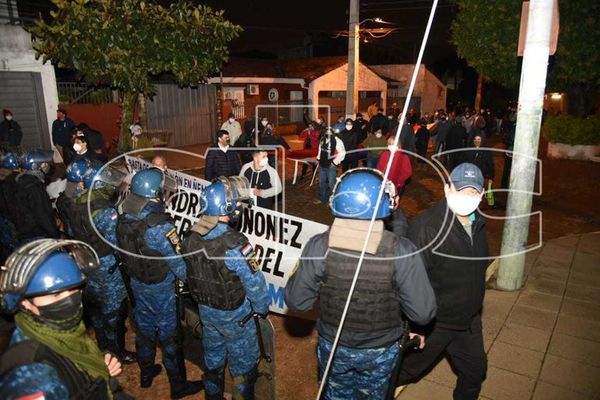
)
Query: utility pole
[
  {"x": 353, "y": 56},
  {"x": 529, "y": 118}
]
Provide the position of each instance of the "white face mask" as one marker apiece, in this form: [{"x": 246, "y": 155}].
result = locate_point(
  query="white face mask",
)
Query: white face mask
[
  {"x": 461, "y": 204},
  {"x": 378, "y": 135},
  {"x": 319, "y": 121},
  {"x": 392, "y": 148},
  {"x": 263, "y": 162},
  {"x": 231, "y": 120},
  {"x": 8, "y": 117},
  {"x": 264, "y": 123},
  {"x": 348, "y": 127},
  {"x": 77, "y": 147}
]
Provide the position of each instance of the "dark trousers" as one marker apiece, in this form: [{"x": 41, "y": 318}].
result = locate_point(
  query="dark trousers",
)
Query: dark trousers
[
  {"x": 466, "y": 354},
  {"x": 350, "y": 162}
]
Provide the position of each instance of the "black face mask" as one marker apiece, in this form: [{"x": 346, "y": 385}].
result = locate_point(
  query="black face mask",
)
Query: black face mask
[{"x": 64, "y": 314}]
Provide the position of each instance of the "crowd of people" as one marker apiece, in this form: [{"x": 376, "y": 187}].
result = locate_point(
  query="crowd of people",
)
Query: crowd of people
[{"x": 97, "y": 254}]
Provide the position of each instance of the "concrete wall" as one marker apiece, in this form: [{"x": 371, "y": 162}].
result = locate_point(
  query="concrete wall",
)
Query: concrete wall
[
  {"x": 17, "y": 54},
  {"x": 337, "y": 80}
]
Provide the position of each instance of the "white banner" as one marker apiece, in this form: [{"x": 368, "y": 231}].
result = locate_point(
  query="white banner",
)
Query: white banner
[{"x": 277, "y": 238}]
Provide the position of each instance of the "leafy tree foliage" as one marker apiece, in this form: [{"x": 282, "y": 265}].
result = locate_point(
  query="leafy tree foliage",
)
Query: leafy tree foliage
[
  {"x": 124, "y": 43},
  {"x": 486, "y": 34}
]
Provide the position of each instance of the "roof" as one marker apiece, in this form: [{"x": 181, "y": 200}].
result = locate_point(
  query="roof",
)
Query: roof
[{"x": 308, "y": 69}]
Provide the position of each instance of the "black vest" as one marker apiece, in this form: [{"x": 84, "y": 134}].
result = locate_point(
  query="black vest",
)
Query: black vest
[
  {"x": 79, "y": 384},
  {"x": 211, "y": 283},
  {"x": 375, "y": 306},
  {"x": 130, "y": 236},
  {"x": 76, "y": 216}
]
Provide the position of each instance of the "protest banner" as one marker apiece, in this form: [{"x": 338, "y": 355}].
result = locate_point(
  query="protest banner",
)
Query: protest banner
[{"x": 277, "y": 238}]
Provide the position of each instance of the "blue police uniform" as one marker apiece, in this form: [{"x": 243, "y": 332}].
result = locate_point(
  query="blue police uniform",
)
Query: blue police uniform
[
  {"x": 31, "y": 379},
  {"x": 223, "y": 337},
  {"x": 155, "y": 306},
  {"x": 106, "y": 283}
]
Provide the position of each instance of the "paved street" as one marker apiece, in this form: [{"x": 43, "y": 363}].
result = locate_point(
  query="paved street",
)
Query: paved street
[{"x": 543, "y": 342}]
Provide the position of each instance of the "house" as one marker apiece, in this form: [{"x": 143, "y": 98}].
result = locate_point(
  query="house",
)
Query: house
[
  {"x": 282, "y": 90},
  {"x": 429, "y": 93}
]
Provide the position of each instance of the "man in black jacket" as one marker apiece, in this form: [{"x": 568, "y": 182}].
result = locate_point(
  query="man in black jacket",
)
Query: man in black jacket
[
  {"x": 453, "y": 237},
  {"x": 222, "y": 161}
]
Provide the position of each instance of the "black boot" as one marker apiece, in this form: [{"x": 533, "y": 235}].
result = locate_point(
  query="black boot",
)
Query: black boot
[
  {"x": 180, "y": 387},
  {"x": 148, "y": 371},
  {"x": 249, "y": 380},
  {"x": 126, "y": 357},
  {"x": 215, "y": 377}
]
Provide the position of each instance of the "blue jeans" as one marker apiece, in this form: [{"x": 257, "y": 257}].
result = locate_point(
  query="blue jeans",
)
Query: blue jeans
[{"x": 327, "y": 177}]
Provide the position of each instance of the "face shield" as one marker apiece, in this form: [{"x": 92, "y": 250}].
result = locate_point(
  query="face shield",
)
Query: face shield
[
  {"x": 108, "y": 176},
  {"x": 237, "y": 191}
]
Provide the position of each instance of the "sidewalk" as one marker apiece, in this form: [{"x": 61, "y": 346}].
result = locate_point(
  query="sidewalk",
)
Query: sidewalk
[{"x": 543, "y": 342}]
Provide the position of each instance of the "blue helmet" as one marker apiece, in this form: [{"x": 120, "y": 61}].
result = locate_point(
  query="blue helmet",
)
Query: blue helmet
[
  {"x": 223, "y": 195},
  {"x": 43, "y": 267},
  {"x": 77, "y": 169},
  {"x": 99, "y": 176},
  {"x": 355, "y": 195},
  {"x": 9, "y": 161},
  {"x": 36, "y": 160},
  {"x": 148, "y": 183}
]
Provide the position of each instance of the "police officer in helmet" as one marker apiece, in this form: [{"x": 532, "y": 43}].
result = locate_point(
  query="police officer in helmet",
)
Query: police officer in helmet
[
  {"x": 106, "y": 295},
  {"x": 392, "y": 285},
  {"x": 50, "y": 355},
  {"x": 225, "y": 279},
  {"x": 148, "y": 241},
  {"x": 9, "y": 169},
  {"x": 33, "y": 214}
]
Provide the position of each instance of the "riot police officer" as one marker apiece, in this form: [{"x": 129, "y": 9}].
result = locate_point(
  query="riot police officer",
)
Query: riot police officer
[
  {"x": 9, "y": 169},
  {"x": 32, "y": 212},
  {"x": 225, "y": 280},
  {"x": 145, "y": 229},
  {"x": 106, "y": 295},
  {"x": 50, "y": 355},
  {"x": 392, "y": 283}
]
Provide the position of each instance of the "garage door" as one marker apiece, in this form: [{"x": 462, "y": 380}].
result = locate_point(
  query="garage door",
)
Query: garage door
[{"x": 21, "y": 93}]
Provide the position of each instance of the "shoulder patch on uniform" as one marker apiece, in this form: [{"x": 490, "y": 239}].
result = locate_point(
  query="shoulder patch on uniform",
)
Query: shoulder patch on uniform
[
  {"x": 174, "y": 239},
  {"x": 250, "y": 256},
  {"x": 33, "y": 396},
  {"x": 114, "y": 216}
]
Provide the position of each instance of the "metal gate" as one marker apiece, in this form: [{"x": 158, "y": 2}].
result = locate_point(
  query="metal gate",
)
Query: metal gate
[
  {"x": 22, "y": 94},
  {"x": 188, "y": 114}
]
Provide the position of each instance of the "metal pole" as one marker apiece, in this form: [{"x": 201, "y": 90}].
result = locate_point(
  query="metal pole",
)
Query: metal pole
[
  {"x": 529, "y": 118},
  {"x": 353, "y": 56}
]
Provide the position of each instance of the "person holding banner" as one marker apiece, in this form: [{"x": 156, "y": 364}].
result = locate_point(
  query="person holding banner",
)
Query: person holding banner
[
  {"x": 393, "y": 284},
  {"x": 331, "y": 153},
  {"x": 264, "y": 179},
  {"x": 145, "y": 229},
  {"x": 224, "y": 278}
]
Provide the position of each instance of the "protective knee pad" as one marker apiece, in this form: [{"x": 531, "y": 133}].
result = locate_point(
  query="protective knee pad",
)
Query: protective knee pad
[{"x": 247, "y": 382}]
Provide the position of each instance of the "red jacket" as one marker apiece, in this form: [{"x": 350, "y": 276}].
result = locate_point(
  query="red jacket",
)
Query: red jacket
[
  {"x": 314, "y": 138},
  {"x": 401, "y": 169}
]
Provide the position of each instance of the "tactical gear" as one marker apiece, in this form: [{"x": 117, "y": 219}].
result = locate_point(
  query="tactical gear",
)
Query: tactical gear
[
  {"x": 211, "y": 283},
  {"x": 379, "y": 306},
  {"x": 40, "y": 268},
  {"x": 79, "y": 384},
  {"x": 355, "y": 195},
  {"x": 223, "y": 195},
  {"x": 130, "y": 235},
  {"x": 148, "y": 183},
  {"x": 77, "y": 217},
  {"x": 76, "y": 170},
  {"x": 36, "y": 161}
]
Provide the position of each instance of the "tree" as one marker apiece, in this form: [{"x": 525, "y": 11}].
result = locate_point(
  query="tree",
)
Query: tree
[
  {"x": 486, "y": 34},
  {"x": 123, "y": 44}
]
